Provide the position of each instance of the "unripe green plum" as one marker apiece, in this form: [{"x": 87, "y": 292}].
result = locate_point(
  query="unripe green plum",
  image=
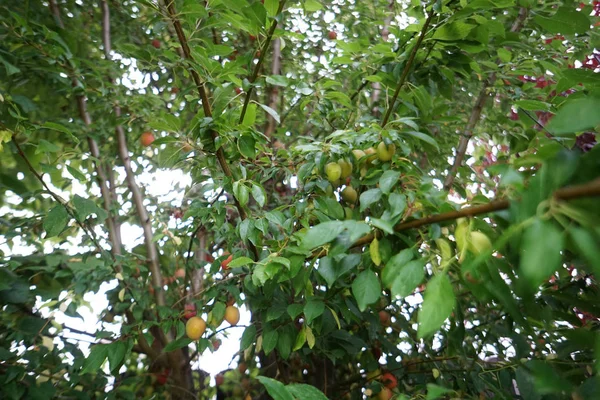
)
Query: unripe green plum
[
  {"x": 479, "y": 243},
  {"x": 349, "y": 195},
  {"x": 333, "y": 171},
  {"x": 358, "y": 154},
  {"x": 346, "y": 168},
  {"x": 371, "y": 154},
  {"x": 349, "y": 213},
  {"x": 385, "y": 152}
]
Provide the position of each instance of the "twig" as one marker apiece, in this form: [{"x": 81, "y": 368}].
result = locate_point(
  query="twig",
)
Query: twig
[
  {"x": 406, "y": 70},
  {"x": 56, "y": 197},
  {"x": 261, "y": 58},
  {"x": 476, "y": 112}
]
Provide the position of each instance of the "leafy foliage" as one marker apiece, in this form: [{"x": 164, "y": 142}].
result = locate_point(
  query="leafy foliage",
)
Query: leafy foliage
[{"x": 486, "y": 289}]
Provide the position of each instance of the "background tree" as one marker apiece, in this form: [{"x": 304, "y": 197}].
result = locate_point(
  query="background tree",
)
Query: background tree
[{"x": 403, "y": 195}]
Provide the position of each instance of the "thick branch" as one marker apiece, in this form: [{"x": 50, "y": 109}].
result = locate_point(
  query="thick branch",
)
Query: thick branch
[
  {"x": 590, "y": 189},
  {"x": 476, "y": 112},
  {"x": 406, "y": 70}
]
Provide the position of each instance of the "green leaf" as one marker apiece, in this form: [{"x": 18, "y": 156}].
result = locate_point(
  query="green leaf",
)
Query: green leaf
[
  {"x": 250, "y": 116},
  {"x": 60, "y": 128},
  {"x": 397, "y": 203},
  {"x": 271, "y": 112},
  {"x": 275, "y": 388},
  {"x": 369, "y": 197},
  {"x": 76, "y": 174},
  {"x": 331, "y": 270},
  {"x": 259, "y": 194},
  {"x": 310, "y": 337},
  {"x": 385, "y": 226},
  {"x": 566, "y": 21},
  {"x": 576, "y": 115},
  {"x": 277, "y": 80},
  {"x": 314, "y": 308},
  {"x": 320, "y": 234},
  {"x": 588, "y": 246},
  {"x": 300, "y": 339},
  {"x": 374, "y": 252},
  {"x": 302, "y": 391},
  {"x": 270, "y": 340},
  {"x": 247, "y": 146},
  {"x": 532, "y": 105},
  {"x": 94, "y": 361},
  {"x": 541, "y": 246},
  {"x": 438, "y": 303},
  {"x": 240, "y": 262},
  {"x": 175, "y": 344},
  {"x": 388, "y": 180},
  {"x": 403, "y": 278},
  {"x": 56, "y": 221},
  {"x": 285, "y": 341},
  {"x": 366, "y": 289},
  {"x": 423, "y": 137},
  {"x": 116, "y": 354},
  {"x": 312, "y": 5},
  {"x": 435, "y": 392},
  {"x": 271, "y": 6},
  {"x": 456, "y": 30},
  {"x": 241, "y": 192},
  {"x": 248, "y": 337},
  {"x": 83, "y": 207},
  {"x": 294, "y": 310}
]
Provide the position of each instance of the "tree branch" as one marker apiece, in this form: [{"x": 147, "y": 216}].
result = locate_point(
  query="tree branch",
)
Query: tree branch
[
  {"x": 152, "y": 253},
  {"x": 590, "y": 189},
  {"x": 406, "y": 70},
  {"x": 476, "y": 113}
]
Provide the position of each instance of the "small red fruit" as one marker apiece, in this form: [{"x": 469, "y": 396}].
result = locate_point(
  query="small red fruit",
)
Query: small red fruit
[
  {"x": 384, "y": 318},
  {"x": 376, "y": 351},
  {"x": 179, "y": 273},
  {"x": 252, "y": 37},
  {"x": 242, "y": 367},
  {"x": 219, "y": 379},
  {"x": 175, "y": 90},
  {"x": 147, "y": 139},
  {"x": 257, "y": 54},
  {"x": 225, "y": 262},
  {"x": 216, "y": 344},
  {"x": 156, "y": 43},
  {"x": 162, "y": 376},
  {"x": 189, "y": 311},
  {"x": 389, "y": 380},
  {"x": 332, "y": 35},
  {"x": 238, "y": 90}
]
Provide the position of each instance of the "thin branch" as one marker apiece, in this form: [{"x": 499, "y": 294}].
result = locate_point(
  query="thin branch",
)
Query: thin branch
[
  {"x": 263, "y": 54},
  {"x": 152, "y": 253},
  {"x": 113, "y": 235},
  {"x": 406, "y": 70},
  {"x": 56, "y": 197},
  {"x": 476, "y": 112}
]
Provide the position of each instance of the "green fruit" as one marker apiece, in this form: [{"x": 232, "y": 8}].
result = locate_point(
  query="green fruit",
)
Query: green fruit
[
  {"x": 371, "y": 154},
  {"x": 333, "y": 171},
  {"x": 385, "y": 152},
  {"x": 346, "y": 168},
  {"x": 479, "y": 243},
  {"x": 461, "y": 235},
  {"x": 349, "y": 213},
  {"x": 363, "y": 171},
  {"x": 349, "y": 195},
  {"x": 445, "y": 250},
  {"x": 358, "y": 154}
]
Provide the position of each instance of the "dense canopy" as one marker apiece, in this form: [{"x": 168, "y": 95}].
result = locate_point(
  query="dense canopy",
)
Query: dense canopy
[{"x": 402, "y": 197}]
